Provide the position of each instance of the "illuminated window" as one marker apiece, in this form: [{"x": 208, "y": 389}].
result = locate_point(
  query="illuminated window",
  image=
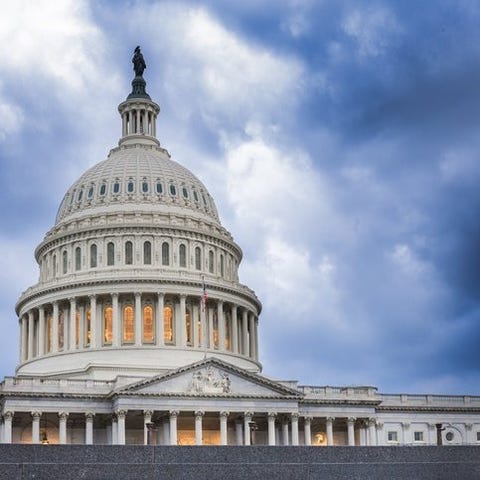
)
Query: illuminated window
[
  {"x": 110, "y": 253},
  {"x": 61, "y": 323},
  {"x": 78, "y": 258},
  {"x": 77, "y": 327},
  {"x": 165, "y": 253},
  {"x": 93, "y": 255},
  {"x": 215, "y": 330},
  {"x": 49, "y": 332},
  {"x": 147, "y": 253},
  {"x": 108, "y": 325},
  {"x": 168, "y": 324},
  {"x": 128, "y": 324},
  {"x": 188, "y": 326},
  {"x": 88, "y": 327},
  {"x": 222, "y": 266},
  {"x": 148, "y": 324},
  {"x": 198, "y": 258},
  {"x": 64, "y": 261},
  {"x": 182, "y": 254},
  {"x": 210, "y": 261},
  {"x": 128, "y": 253}
]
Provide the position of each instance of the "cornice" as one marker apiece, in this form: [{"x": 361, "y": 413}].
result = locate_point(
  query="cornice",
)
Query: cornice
[{"x": 433, "y": 409}]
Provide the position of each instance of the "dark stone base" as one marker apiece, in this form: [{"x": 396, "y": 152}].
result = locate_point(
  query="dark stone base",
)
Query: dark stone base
[{"x": 102, "y": 462}]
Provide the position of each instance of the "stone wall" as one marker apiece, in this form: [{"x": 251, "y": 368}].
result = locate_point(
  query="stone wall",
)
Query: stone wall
[{"x": 66, "y": 462}]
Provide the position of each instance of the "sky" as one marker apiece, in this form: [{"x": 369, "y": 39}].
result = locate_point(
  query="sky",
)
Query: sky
[{"x": 339, "y": 139}]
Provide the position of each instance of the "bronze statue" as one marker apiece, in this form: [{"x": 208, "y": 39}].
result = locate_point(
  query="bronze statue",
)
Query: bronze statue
[{"x": 139, "y": 64}]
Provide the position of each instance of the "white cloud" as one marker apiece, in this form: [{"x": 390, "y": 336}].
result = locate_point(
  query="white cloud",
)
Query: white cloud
[
  {"x": 373, "y": 30},
  {"x": 12, "y": 119}
]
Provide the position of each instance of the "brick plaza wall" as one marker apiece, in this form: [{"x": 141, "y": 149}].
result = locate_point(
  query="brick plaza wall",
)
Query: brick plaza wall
[{"x": 104, "y": 462}]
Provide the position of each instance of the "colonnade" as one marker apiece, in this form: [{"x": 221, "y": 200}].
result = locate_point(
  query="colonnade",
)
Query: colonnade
[
  {"x": 139, "y": 319},
  {"x": 139, "y": 119}
]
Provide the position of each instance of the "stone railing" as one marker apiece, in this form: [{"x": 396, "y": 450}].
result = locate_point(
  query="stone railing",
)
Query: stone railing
[
  {"x": 351, "y": 392},
  {"x": 54, "y": 385},
  {"x": 430, "y": 400}
]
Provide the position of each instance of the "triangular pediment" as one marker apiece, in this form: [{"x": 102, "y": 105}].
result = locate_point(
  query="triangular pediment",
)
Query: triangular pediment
[{"x": 210, "y": 377}]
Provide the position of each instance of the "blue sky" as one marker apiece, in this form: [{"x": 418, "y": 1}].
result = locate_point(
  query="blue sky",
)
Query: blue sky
[{"x": 339, "y": 139}]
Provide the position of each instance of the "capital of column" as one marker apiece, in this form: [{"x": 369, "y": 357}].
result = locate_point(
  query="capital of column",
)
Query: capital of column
[
  {"x": 92, "y": 297},
  {"x": 138, "y": 294},
  {"x": 36, "y": 415},
  {"x": 351, "y": 419},
  {"x": 330, "y": 419},
  {"x": 121, "y": 413},
  {"x": 468, "y": 426},
  {"x": 72, "y": 299},
  {"x": 248, "y": 415},
  {"x": 199, "y": 413},
  {"x": 89, "y": 415},
  {"x": 379, "y": 425},
  {"x": 272, "y": 414},
  {"x": 63, "y": 415},
  {"x": 294, "y": 415},
  {"x": 114, "y": 295},
  {"x": 148, "y": 413},
  {"x": 174, "y": 413},
  {"x": 405, "y": 424},
  {"x": 224, "y": 414},
  {"x": 308, "y": 419},
  {"x": 8, "y": 414}
]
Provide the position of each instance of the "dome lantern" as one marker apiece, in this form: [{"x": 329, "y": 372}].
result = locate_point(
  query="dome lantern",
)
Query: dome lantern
[{"x": 138, "y": 111}]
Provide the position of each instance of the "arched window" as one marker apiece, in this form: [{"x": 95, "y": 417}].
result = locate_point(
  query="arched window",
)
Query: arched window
[
  {"x": 182, "y": 255},
  {"x": 80, "y": 195},
  {"x": 188, "y": 326},
  {"x": 173, "y": 190},
  {"x": 49, "y": 332},
  {"x": 110, "y": 253},
  {"x": 165, "y": 253},
  {"x": 148, "y": 324},
  {"x": 130, "y": 186},
  {"x": 168, "y": 324},
  {"x": 116, "y": 187},
  {"x": 222, "y": 266},
  {"x": 88, "y": 327},
  {"x": 128, "y": 324},
  {"x": 108, "y": 325},
  {"x": 128, "y": 253},
  {"x": 159, "y": 187},
  {"x": 198, "y": 258},
  {"x": 185, "y": 192},
  {"x": 93, "y": 255},
  {"x": 90, "y": 192},
  {"x": 54, "y": 266},
  {"x": 145, "y": 186},
  {"x": 61, "y": 322},
  {"x": 195, "y": 195},
  {"x": 64, "y": 261},
  {"x": 78, "y": 258},
  {"x": 147, "y": 253},
  {"x": 103, "y": 189},
  {"x": 210, "y": 261}
]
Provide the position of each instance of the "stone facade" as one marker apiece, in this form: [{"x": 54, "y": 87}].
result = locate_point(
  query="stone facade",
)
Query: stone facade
[{"x": 139, "y": 331}]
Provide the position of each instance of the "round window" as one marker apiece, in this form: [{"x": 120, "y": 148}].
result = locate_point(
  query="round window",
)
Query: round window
[{"x": 449, "y": 436}]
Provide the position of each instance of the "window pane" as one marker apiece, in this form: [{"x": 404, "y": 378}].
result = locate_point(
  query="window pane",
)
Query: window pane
[
  {"x": 198, "y": 258},
  {"x": 173, "y": 190},
  {"x": 103, "y": 189},
  {"x": 147, "y": 253},
  {"x": 159, "y": 187},
  {"x": 182, "y": 253},
  {"x": 64, "y": 261},
  {"x": 222, "y": 266},
  {"x": 168, "y": 324},
  {"x": 148, "y": 325},
  {"x": 210, "y": 261},
  {"x": 93, "y": 255},
  {"x": 144, "y": 187},
  {"x": 130, "y": 187},
  {"x": 107, "y": 325},
  {"x": 165, "y": 254},
  {"x": 128, "y": 324},
  {"x": 185, "y": 192},
  {"x": 128, "y": 253},
  {"x": 78, "y": 258},
  {"x": 116, "y": 187},
  {"x": 110, "y": 253}
]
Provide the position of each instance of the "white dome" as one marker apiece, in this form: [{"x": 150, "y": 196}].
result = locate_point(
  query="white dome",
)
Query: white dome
[{"x": 137, "y": 177}]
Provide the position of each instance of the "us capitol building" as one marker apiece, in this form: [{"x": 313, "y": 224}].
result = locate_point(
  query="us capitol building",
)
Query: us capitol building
[{"x": 139, "y": 331}]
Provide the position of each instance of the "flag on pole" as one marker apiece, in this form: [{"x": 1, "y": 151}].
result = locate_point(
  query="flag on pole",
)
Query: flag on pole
[{"x": 204, "y": 294}]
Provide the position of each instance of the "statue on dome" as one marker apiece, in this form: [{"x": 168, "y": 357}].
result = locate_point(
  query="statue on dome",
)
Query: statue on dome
[{"x": 138, "y": 61}]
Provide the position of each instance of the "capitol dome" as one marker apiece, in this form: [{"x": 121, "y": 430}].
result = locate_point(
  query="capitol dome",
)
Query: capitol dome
[{"x": 137, "y": 275}]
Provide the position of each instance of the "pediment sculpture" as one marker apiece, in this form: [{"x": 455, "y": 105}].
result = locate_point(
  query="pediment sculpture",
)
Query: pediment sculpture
[{"x": 210, "y": 381}]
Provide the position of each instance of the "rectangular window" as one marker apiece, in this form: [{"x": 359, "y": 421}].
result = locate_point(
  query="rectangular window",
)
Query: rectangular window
[
  {"x": 418, "y": 436},
  {"x": 478, "y": 436},
  {"x": 392, "y": 436}
]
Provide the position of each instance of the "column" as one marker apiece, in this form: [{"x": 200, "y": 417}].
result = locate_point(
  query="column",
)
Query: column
[
  {"x": 234, "y": 329},
  {"x": 159, "y": 319},
  {"x": 247, "y": 419},
  {"x": 221, "y": 326},
  {"x": 372, "y": 440},
  {"x": 285, "y": 431},
  {"x": 166, "y": 432},
  {"x": 36, "y": 427},
  {"x": 7, "y": 426},
  {"x": 55, "y": 328},
  {"x": 72, "y": 329},
  {"x": 41, "y": 331},
  {"x": 330, "y": 430},
  {"x": 30, "y": 335},
  {"x": 114, "y": 430},
  {"x": 89, "y": 428},
  {"x": 81, "y": 339},
  {"x": 93, "y": 321},
  {"x": 23, "y": 338},
  {"x": 173, "y": 427},
  {"x": 307, "y": 427},
  {"x": 137, "y": 130},
  {"x": 116, "y": 323},
  {"x": 211, "y": 344},
  {"x": 138, "y": 319},
  {"x": 245, "y": 350},
  {"x": 198, "y": 427},
  {"x": 271, "y": 428},
  {"x": 121, "y": 414},
  {"x": 294, "y": 420},
  {"x": 223, "y": 428},
  {"x": 182, "y": 326},
  {"x": 62, "y": 428},
  {"x": 251, "y": 320},
  {"x": 351, "y": 430},
  {"x": 239, "y": 432},
  {"x": 147, "y": 418}
]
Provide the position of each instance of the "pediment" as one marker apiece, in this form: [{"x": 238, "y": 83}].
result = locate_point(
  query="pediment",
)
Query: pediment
[{"x": 210, "y": 377}]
